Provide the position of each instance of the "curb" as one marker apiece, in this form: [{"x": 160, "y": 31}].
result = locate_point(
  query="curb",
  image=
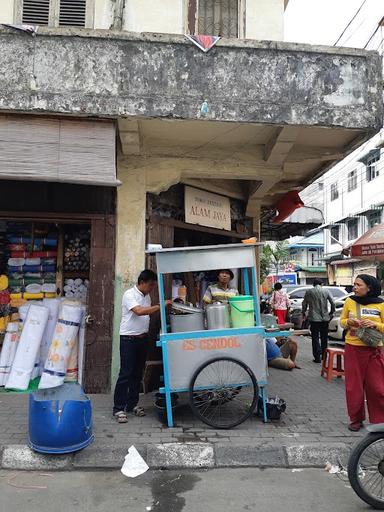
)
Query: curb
[{"x": 181, "y": 456}]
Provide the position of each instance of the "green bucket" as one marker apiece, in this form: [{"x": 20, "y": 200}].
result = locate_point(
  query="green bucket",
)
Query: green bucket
[{"x": 242, "y": 311}]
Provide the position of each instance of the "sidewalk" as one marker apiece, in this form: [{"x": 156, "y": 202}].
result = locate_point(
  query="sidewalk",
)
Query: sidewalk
[{"x": 312, "y": 431}]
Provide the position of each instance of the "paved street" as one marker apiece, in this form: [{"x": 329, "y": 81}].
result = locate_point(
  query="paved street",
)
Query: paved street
[
  {"x": 315, "y": 413},
  {"x": 219, "y": 490}
]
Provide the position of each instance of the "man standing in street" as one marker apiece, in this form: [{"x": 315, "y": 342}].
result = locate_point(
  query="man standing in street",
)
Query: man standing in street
[
  {"x": 316, "y": 299},
  {"x": 136, "y": 311}
]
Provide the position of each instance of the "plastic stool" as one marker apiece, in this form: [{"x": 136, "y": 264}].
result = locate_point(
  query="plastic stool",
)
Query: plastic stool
[{"x": 328, "y": 367}]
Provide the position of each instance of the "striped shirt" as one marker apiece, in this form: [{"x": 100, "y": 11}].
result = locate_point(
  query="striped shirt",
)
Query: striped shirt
[{"x": 215, "y": 293}]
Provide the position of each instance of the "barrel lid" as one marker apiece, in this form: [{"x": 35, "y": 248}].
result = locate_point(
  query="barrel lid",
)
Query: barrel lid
[{"x": 185, "y": 308}]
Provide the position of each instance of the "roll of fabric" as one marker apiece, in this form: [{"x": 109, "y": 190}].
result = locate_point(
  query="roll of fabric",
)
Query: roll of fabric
[
  {"x": 33, "y": 280},
  {"x": 33, "y": 296},
  {"x": 16, "y": 296},
  {"x": 49, "y": 295},
  {"x": 16, "y": 303},
  {"x": 49, "y": 277},
  {"x": 28, "y": 347},
  {"x": 53, "y": 306},
  {"x": 37, "y": 242},
  {"x": 34, "y": 254},
  {"x": 16, "y": 275},
  {"x": 32, "y": 261},
  {"x": 34, "y": 275},
  {"x": 34, "y": 288},
  {"x": 5, "y": 297},
  {"x": 13, "y": 269},
  {"x": 16, "y": 262},
  {"x": 64, "y": 339},
  {"x": 8, "y": 351},
  {"x": 49, "y": 288},
  {"x": 16, "y": 247}
]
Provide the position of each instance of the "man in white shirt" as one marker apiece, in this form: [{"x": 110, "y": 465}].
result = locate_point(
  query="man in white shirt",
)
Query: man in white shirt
[{"x": 136, "y": 310}]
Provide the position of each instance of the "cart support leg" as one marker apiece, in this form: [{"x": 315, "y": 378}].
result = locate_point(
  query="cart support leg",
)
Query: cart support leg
[
  {"x": 264, "y": 396},
  {"x": 168, "y": 401}
]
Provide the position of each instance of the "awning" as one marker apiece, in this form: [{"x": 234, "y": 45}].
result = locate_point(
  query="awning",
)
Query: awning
[
  {"x": 370, "y": 246},
  {"x": 312, "y": 269},
  {"x": 345, "y": 262},
  {"x": 373, "y": 153}
]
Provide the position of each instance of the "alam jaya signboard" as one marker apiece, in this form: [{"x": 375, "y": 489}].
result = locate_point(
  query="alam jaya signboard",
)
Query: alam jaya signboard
[{"x": 207, "y": 209}]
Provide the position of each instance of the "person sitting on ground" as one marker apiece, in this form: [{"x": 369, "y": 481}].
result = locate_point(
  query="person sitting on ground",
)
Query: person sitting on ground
[
  {"x": 222, "y": 290},
  {"x": 280, "y": 303},
  {"x": 282, "y": 353}
]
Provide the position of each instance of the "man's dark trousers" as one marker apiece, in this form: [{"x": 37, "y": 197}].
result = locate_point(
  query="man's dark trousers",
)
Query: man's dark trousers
[
  {"x": 133, "y": 354},
  {"x": 319, "y": 330}
]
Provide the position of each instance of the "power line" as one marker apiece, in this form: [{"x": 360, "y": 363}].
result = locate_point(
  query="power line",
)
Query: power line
[
  {"x": 351, "y": 21},
  {"x": 380, "y": 24}
]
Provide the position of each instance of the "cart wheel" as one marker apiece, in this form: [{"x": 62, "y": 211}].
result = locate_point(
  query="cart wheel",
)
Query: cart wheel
[{"x": 223, "y": 392}]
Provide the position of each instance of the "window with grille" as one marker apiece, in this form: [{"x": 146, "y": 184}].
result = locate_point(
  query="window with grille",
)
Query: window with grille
[
  {"x": 335, "y": 234},
  {"x": 374, "y": 218},
  {"x": 55, "y": 13},
  {"x": 214, "y": 17},
  {"x": 372, "y": 165},
  {"x": 352, "y": 180},
  {"x": 334, "y": 192},
  {"x": 352, "y": 229}
]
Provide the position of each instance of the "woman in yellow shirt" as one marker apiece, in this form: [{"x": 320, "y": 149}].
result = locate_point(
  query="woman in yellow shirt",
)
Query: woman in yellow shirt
[{"x": 364, "y": 365}]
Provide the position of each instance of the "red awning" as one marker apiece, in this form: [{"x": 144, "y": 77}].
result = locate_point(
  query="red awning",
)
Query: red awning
[{"x": 371, "y": 245}]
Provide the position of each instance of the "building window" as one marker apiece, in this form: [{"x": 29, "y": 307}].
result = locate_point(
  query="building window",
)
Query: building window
[
  {"x": 214, "y": 17},
  {"x": 352, "y": 229},
  {"x": 335, "y": 235},
  {"x": 374, "y": 218},
  {"x": 334, "y": 192},
  {"x": 56, "y": 13},
  {"x": 372, "y": 165},
  {"x": 352, "y": 180}
]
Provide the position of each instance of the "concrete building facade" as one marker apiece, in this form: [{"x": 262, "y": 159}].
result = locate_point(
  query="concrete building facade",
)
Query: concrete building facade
[{"x": 250, "y": 120}]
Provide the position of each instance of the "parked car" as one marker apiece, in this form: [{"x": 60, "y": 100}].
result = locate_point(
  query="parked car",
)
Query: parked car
[{"x": 296, "y": 296}]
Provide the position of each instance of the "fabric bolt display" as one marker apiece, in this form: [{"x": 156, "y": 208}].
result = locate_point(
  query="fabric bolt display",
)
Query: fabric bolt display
[
  {"x": 28, "y": 347},
  {"x": 34, "y": 254},
  {"x": 53, "y": 306},
  {"x": 64, "y": 339},
  {"x": 8, "y": 351},
  {"x": 76, "y": 251},
  {"x": 37, "y": 242},
  {"x": 76, "y": 288}
]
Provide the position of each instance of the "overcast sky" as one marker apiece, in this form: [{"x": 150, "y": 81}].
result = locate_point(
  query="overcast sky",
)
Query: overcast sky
[{"x": 322, "y": 22}]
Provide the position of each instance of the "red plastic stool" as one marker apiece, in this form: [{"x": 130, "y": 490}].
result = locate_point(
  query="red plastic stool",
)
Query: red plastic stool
[{"x": 328, "y": 366}]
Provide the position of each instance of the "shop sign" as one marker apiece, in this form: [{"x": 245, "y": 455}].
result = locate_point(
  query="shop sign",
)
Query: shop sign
[{"x": 207, "y": 209}]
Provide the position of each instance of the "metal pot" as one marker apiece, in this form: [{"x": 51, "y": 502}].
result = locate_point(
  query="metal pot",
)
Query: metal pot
[
  {"x": 186, "y": 318},
  {"x": 218, "y": 316}
]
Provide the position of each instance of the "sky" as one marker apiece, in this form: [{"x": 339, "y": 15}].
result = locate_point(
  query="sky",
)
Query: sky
[{"x": 323, "y": 21}]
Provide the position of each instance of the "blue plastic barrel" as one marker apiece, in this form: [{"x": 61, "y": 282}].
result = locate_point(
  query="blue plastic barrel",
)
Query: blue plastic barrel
[{"x": 60, "y": 419}]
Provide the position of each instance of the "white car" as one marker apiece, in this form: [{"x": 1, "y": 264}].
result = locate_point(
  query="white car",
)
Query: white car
[{"x": 296, "y": 295}]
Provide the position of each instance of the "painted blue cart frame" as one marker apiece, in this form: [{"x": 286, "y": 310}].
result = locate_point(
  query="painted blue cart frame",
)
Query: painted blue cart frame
[{"x": 193, "y": 259}]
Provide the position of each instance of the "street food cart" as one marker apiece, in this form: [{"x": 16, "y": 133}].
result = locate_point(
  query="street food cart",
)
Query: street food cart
[{"x": 223, "y": 370}]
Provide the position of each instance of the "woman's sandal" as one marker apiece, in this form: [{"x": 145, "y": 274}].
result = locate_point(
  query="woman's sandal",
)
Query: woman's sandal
[
  {"x": 138, "y": 411},
  {"x": 121, "y": 417}
]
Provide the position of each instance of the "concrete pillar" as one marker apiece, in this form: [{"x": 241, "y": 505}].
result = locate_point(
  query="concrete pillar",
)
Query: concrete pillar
[{"x": 130, "y": 243}]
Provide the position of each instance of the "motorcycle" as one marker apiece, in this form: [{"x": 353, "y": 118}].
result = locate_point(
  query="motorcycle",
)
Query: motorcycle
[{"x": 366, "y": 467}]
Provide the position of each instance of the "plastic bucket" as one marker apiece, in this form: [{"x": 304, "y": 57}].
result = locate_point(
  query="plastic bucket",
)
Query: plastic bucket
[{"x": 242, "y": 311}]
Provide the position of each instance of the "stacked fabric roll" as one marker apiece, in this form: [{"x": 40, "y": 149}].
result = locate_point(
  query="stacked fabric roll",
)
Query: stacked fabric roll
[
  {"x": 76, "y": 289},
  {"x": 31, "y": 264},
  {"x": 76, "y": 251}
]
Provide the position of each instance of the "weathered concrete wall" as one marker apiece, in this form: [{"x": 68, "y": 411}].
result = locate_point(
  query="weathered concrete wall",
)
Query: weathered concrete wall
[
  {"x": 110, "y": 75},
  {"x": 264, "y": 20}
]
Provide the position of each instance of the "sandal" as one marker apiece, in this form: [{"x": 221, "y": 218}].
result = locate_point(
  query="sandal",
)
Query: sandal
[
  {"x": 138, "y": 411},
  {"x": 121, "y": 417}
]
